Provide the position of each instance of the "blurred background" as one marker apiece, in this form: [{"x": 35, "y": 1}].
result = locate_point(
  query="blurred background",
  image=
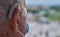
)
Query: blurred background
[{"x": 43, "y": 17}]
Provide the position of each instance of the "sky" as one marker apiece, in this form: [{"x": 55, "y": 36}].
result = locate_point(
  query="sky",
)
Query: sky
[{"x": 43, "y": 2}]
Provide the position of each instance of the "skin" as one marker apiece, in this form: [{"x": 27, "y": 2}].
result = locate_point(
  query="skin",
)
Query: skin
[{"x": 9, "y": 27}]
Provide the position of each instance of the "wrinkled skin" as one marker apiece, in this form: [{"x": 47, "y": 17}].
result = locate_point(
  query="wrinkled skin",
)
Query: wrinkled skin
[{"x": 9, "y": 27}]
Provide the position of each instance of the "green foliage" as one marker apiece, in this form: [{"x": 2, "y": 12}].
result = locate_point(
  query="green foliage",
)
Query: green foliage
[
  {"x": 47, "y": 34},
  {"x": 57, "y": 8},
  {"x": 46, "y": 14},
  {"x": 57, "y": 36},
  {"x": 55, "y": 16},
  {"x": 28, "y": 10},
  {"x": 33, "y": 11},
  {"x": 37, "y": 18}
]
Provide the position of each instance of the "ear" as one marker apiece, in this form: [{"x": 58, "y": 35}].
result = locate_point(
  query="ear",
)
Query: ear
[{"x": 14, "y": 19}]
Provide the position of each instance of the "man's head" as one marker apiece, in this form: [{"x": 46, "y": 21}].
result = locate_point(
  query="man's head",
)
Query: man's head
[{"x": 11, "y": 24}]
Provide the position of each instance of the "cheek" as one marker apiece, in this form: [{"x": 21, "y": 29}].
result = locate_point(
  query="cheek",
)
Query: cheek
[
  {"x": 24, "y": 12},
  {"x": 23, "y": 18}
]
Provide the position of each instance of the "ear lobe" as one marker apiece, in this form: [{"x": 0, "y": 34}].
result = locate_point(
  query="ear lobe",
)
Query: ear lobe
[{"x": 14, "y": 19}]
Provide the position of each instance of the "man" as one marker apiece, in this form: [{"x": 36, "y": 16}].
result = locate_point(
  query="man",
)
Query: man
[{"x": 12, "y": 18}]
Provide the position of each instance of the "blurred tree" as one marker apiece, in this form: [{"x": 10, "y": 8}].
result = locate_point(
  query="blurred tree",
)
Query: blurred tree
[
  {"x": 57, "y": 8},
  {"x": 46, "y": 13}
]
